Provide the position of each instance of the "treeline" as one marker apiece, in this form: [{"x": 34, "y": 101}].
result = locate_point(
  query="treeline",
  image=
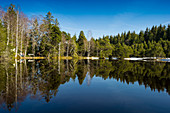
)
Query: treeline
[{"x": 42, "y": 36}]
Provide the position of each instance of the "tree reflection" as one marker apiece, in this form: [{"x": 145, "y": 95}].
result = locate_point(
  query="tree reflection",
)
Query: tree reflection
[{"x": 41, "y": 79}]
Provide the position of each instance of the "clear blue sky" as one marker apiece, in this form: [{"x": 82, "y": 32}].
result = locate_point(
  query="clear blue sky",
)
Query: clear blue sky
[{"x": 102, "y": 17}]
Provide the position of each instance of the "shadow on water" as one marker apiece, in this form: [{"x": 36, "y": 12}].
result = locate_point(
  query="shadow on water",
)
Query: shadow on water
[{"x": 40, "y": 79}]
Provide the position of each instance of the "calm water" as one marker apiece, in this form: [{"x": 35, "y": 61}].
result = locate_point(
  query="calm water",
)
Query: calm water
[{"x": 85, "y": 87}]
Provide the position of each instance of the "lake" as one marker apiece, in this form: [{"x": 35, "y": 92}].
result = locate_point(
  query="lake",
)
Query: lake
[{"x": 85, "y": 86}]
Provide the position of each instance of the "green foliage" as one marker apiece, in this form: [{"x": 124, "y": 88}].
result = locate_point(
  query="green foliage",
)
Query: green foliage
[
  {"x": 105, "y": 47},
  {"x": 2, "y": 38},
  {"x": 73, "y": 48},
  {"x": 122, "y": 50},
  {"x": 51, "y": 36},
  {"x": 151, "y": 43},
  {"x": 82, "y": 44},
  {"x": 168, "y": 33}
]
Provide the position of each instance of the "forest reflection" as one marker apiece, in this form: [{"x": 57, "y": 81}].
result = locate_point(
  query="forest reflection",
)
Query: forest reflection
[{"x": 41, "y": 78}]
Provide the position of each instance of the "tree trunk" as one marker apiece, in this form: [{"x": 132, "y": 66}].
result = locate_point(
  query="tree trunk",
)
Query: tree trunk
[
  {"x": 12, "y": 43},
  {"x": 7, "y": 84},
  {"x": 21, "y": 37},
  {"x": 26, "y": 48},
  {"x": 16, "y": 50},
  {"x": 8, "y": 31},
  {"x": 33, "y": 48},
  {"x": 68, "y": 48},
  {"x": 21, "y": 76},
  {"x": 59, "y": 51},
  {"x": 88, "y": 50},
  {"x": 97, "y": 52},
  {"x": 59, "y": 66},
  {"x": 16, "y": 75}
]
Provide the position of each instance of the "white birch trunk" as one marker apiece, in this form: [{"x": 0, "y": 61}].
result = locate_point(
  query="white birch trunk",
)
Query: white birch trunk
[
  {"x": 16, "y": 50},
  {"x": 26, "y": 47},
  {"x": 21, "y": 37},
  {"x": 8, "y": 31},
  {"x": 59, "y": 51},
  {"x": 12, "y": 39},
  {"x": 16, "y": 87},
  {"x": 89, "y": 49},
  {"x": 68, "y": 47}
]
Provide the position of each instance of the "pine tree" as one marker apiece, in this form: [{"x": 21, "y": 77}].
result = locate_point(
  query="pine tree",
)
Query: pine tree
[
  {"x": 82, "y": 44},
  {"x": 168, "y": 32},
  {"x": 141, "y": 37},
  {"x": 146, "y": 35},
  {"x": 128, "y": 39}
]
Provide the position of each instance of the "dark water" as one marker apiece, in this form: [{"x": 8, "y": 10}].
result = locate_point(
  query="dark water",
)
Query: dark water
[{"x": 85, "y": 87}]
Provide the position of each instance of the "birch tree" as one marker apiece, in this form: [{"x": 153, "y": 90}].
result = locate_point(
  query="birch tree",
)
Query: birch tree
[{"x": 16, "y": 49}]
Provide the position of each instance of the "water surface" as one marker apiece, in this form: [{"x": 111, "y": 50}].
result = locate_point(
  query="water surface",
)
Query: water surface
[{"x": 85, "y": 86}]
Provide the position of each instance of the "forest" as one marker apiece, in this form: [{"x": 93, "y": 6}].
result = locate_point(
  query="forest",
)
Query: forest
[{"x": 41, "y": 36}]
